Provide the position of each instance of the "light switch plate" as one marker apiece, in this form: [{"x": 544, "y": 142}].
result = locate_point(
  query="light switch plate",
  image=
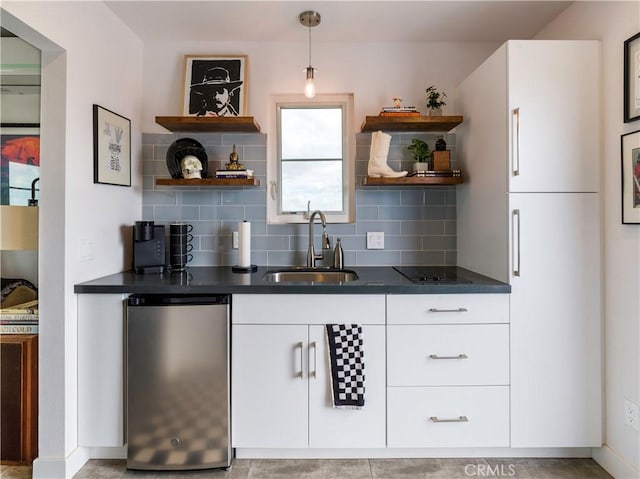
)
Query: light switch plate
[{"x": 375, "y": 240}]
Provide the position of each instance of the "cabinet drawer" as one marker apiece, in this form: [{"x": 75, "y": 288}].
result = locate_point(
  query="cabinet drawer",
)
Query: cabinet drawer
[
  {"x": 308, "y": 308},
  {"x": 448, "y": 417},
  {"x": 447, "y": 308},
  {"x": 448, "y": 355}
]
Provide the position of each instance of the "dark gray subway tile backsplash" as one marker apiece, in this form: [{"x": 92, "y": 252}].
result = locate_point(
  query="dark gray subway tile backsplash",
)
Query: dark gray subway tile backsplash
[{"x": 419, "y": 222}]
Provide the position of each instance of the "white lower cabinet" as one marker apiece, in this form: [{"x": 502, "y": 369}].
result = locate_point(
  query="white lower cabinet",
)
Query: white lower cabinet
[
  {"x": 101, "y": 352},
  {"x": 448, "y": 355},
  {"x": 280, "y": 374},
  {"x": 448, "y": 370},
  {"x": 448, "y": 416}
]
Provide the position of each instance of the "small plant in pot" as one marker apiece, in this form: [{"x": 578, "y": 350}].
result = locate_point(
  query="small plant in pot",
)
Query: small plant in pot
[
  {"x": 421, "y": 154},
  {"x": 435, "y": 101}
]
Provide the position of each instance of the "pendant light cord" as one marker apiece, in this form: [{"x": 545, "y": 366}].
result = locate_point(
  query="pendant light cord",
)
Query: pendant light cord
[{"x": 309, "y": 28}]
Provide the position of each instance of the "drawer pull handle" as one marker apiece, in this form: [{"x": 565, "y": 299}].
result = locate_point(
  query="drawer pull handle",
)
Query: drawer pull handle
[
  {"x": 458, "y": 419},
  {"x": 459, "y": 310},
  {"x": 459, "y": 356},
  {"x": 301, "y": 373},
  {"x": 313, "y": 373}
]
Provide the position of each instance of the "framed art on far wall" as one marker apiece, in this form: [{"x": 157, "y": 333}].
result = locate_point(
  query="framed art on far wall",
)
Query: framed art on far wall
[
  {"x": 111, "y": 147},
  {"x": 630, "y": 144},
  {"x": 632, "y": 78},
  {"x": 215, "y": 85}
]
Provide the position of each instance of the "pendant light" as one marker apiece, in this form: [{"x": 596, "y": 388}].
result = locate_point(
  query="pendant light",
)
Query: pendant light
[{"x": 310, "y": 19}]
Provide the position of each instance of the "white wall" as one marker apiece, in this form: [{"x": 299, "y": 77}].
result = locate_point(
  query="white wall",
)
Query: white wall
[
  {"x": 374, "y": 72},
  {"x": 613, "y": 23},
  {"x": 89, "y": 57}
]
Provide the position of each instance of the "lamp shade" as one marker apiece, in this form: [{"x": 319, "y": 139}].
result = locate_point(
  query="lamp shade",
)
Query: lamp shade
[{"x": 19, "y": 227}]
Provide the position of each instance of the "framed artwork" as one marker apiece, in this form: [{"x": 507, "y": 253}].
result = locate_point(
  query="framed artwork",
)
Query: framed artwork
[
  {"x": 111, "y": 147},
  {"x": 20, "y": 161},
  {"x": 631, "y": 178},
  {"x": 632, "y": 78},
  {"x": 215, "y": 85}
]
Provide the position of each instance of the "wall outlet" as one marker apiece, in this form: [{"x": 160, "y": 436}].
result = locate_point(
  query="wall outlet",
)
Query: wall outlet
[
  {"x": 631, "y": 415},
  {"x": 375, "y": 240},
  {"x": 86, "y": 250},
  {"x": 235, "y": 240}
]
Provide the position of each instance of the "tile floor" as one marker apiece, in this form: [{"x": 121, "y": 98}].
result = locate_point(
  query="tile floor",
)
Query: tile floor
[{"x": 460, "y": 468}]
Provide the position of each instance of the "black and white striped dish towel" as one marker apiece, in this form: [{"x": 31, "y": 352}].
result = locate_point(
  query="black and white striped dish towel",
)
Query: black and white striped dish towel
[{"x": 346, "y": 357}]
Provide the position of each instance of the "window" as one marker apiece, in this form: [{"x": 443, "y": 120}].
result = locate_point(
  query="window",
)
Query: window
[{"x": 311, "y": 159}]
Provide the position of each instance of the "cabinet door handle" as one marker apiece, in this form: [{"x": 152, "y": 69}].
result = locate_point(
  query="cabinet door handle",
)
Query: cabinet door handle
[
  {"x": 515, "y": 247},
  {"x": 515, "y": 157},
  {"x": 459, "y": 356},
  {"x": 459, "y": 310},
  {"x": 301, "y": 346},
  {"x": 313, "y": 372},
  {"x": 457, "y": 419}
]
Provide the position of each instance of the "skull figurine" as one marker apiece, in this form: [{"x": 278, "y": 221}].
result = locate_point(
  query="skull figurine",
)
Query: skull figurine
[{"x": 191, "y": 167}]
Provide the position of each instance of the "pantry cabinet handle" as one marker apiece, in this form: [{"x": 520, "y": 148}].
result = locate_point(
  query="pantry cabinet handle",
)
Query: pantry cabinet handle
[
  {"x": 515, "y": 160},
  {"x": 515, "y": 247},
  {"x": 459, "y": 310},
  {"x": 312, "y": 373},
  {"x": 459, "y": 356},
  {"x": 458, "y": 419},
  {"x": 301, "y": 346}
]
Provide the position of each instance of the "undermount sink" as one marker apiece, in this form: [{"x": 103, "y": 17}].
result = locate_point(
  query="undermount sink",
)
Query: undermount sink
[{"x": 310, "y": 275}]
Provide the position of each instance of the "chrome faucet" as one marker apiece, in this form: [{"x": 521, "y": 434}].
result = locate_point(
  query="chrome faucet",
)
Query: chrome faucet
[{"x": 311, "y": 253}]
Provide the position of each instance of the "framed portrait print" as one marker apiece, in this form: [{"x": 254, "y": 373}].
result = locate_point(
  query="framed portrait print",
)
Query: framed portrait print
[
  {"x": 631, "y": 178},
  {"x": 111, "y": 147},
  {"x": 215, "y": 85},
  {"x": 632, "y": 78}
]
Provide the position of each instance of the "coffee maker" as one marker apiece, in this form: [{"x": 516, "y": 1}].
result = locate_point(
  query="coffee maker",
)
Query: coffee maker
[{"x": 148, "y": 247}]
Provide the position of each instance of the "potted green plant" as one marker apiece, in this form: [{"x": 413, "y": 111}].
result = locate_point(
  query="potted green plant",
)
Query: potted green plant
[
  {"x": 421, "y": 154},
  {"x": 435, "y": 101}
]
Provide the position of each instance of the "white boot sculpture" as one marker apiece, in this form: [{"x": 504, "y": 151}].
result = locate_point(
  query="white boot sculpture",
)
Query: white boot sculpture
[{"x": 378, "y": 166}]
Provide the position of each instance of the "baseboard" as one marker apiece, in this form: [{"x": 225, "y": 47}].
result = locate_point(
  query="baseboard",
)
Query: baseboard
[
  {"x": 60, "y": 468},
  {"x": 614, "y": 464},
  {"x": 108, "y": 452},
  {"x": 387, "y": 453}
]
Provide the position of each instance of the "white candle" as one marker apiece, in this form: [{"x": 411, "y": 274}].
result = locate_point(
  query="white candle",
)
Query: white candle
[{"x": 244, "y": 237}]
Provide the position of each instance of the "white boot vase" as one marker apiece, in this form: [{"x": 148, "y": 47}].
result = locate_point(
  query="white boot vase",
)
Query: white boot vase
[{"x": 378, "y": 155}]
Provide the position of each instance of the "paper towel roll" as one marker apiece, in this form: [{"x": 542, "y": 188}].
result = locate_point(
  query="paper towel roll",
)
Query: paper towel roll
[{"x": 244, "y": 239}]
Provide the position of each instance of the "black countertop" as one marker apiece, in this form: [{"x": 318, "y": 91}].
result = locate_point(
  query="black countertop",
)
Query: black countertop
[{"x": 221, "y": 280}]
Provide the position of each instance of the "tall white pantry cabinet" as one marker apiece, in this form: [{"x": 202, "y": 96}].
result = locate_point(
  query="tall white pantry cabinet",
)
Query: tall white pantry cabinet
[{"x": 529, "y": 215}]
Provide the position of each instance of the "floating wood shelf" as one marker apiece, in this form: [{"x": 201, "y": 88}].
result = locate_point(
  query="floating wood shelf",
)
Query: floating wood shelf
[
  {"x": 209, "y": 124},
  {"x": 411, "y": 123},
  {"x": 208, "y": 182},
  {"x": 413, "y": 181}
]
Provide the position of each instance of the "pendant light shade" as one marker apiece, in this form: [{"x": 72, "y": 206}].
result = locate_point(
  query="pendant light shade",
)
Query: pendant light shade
[
  {"x": 310, "y": 19},
  {"x": 310, "y": 85}
]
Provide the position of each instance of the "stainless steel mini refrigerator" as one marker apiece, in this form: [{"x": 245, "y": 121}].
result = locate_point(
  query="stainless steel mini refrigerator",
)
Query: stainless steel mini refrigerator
[{"x": 178, "y": 382}]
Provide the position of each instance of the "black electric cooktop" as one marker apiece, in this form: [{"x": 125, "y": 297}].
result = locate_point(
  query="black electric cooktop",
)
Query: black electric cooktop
[{"x": 431, "y": 274}]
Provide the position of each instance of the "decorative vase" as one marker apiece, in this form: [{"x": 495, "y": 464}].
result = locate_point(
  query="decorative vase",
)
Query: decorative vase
[{"x": 435, "y": 112}]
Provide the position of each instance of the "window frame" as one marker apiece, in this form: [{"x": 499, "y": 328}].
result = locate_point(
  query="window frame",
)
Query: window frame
[{"x": 344, "y": 101}]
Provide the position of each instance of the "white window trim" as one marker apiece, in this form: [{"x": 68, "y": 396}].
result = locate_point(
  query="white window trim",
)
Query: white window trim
[{"x": 273, "y": 187}]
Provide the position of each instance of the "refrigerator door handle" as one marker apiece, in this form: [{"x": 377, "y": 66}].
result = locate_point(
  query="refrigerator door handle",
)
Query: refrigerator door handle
[
  {"x": 515, "y": 242},
  {"x": 515, "y": 156}
]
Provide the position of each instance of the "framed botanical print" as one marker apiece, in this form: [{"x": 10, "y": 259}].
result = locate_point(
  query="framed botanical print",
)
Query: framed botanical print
[
  {"x": 215, "y": 85},
  {"x": 111, "y": 147},
  {"x": 631, "y": 178}
]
